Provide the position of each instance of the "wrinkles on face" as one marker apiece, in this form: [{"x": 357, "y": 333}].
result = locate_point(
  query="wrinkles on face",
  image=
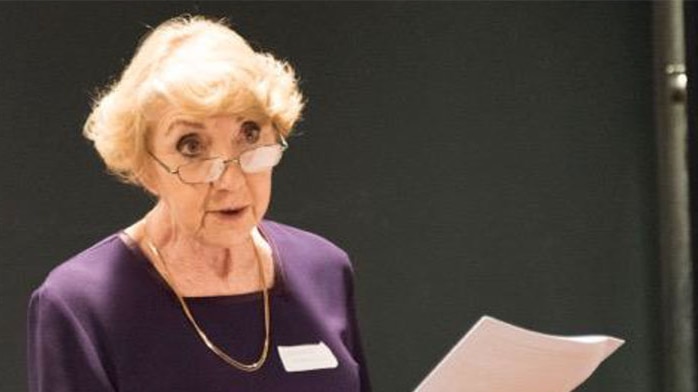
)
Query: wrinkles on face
[
  {"x": 176, "y": 218},
  {"x": 191, "y": 216},
  {"x": 203, "y": 209}
]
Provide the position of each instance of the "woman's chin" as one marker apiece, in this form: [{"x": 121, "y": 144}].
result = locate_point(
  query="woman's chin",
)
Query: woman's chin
[{"x": 227, "y": 229}]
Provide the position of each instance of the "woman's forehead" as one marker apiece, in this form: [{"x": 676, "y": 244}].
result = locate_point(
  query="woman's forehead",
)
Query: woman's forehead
[{"x": 173, "y": 118}]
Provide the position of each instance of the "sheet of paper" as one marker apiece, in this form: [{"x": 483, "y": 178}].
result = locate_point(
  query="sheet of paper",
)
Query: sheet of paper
[{"x": 498, "y": 357}]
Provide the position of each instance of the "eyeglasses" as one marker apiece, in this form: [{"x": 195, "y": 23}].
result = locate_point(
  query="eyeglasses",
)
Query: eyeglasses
[{"x": 206, "y": 170}]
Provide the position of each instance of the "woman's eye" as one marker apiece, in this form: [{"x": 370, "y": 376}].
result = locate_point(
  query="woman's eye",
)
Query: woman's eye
[
  {"x": 250, "y": 131},
  {"x": 190, "y": 145}
]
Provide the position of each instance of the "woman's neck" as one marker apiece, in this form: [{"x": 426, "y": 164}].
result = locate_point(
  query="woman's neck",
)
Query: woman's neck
[{"x": 197, "y": 269}]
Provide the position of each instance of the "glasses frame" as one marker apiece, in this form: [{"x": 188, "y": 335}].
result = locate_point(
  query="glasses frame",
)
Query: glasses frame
[{"x": 176, "y": 171}]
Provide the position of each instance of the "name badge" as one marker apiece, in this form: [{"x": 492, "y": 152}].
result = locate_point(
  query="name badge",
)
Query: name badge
[{"x": 305, "y": 357}]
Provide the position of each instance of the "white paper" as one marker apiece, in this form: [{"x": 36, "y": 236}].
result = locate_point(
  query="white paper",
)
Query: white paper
[
  {"x": 306, "y": 357},
  {"x": 498, "y": 357}
]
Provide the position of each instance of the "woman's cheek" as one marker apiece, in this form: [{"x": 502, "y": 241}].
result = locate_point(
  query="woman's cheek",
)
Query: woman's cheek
[{"x": 261, "y": 191}]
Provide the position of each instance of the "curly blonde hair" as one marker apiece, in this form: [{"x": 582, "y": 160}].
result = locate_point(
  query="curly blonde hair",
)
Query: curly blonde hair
[{"x": 200, "y": 66}]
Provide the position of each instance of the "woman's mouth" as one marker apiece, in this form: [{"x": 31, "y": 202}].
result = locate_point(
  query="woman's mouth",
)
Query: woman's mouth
[{"x": 229, "y": 214}]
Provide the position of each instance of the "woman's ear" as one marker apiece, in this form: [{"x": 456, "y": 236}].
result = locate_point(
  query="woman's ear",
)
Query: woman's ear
[{"x": 147, "y": 180}]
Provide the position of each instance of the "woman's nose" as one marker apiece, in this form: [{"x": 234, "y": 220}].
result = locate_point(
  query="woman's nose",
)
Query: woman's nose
[{"x": 231, "y": 176}]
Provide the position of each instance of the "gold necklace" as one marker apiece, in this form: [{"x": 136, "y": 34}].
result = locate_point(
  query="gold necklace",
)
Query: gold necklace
[{"x": 251, "y": 367}]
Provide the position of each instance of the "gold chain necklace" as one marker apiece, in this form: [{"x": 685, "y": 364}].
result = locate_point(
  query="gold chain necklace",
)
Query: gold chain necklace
[{"x": 251, "y": 367}]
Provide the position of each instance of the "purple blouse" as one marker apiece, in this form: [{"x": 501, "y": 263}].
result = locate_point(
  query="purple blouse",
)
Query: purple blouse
[{"x": 105, "y": 320}]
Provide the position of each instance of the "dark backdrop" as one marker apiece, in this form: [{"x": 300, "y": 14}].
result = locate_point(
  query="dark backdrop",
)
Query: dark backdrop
[
  {"x": 473, "y": 158},
  {"x": 691, "y": 31}
]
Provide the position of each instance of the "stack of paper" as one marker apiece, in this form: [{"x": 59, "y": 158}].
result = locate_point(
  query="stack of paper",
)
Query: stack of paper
[{"x": 498, "y": 357}]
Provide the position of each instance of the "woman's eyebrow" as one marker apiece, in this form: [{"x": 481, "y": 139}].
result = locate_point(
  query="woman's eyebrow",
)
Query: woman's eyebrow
[{"x": 183, "y": 123}]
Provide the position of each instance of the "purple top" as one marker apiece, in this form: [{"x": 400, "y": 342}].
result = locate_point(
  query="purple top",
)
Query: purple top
[{"x": 105, "y": 320}]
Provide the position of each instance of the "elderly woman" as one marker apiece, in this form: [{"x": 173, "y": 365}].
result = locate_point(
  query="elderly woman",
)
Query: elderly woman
[{"x": 202, "y": 293}]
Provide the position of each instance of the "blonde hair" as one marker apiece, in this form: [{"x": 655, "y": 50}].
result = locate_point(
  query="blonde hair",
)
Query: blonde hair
[{"x": 200, "y": 66}]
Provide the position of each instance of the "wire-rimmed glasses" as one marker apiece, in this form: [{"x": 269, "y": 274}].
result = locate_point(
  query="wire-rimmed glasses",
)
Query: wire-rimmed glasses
[{"x": 207, "y": 170}]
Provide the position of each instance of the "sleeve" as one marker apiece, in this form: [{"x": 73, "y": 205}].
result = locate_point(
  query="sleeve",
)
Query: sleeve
[
  {"x": 354, "y": 335},
  {"x": 62, "y": 356}
]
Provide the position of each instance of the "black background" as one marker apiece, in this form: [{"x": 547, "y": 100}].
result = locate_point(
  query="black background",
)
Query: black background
[{"x": 472, "y": 158}]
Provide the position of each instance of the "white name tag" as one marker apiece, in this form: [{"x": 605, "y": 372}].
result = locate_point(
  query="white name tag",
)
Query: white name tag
[{"x": 307, "y": 357}]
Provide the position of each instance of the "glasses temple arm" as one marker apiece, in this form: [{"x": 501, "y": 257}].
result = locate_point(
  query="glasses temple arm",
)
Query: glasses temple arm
[
  {"x": 162, "y": 164},
  {"x": 282, "y": 141}
]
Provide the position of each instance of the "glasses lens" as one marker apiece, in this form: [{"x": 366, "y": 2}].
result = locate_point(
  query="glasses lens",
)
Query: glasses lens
[
  {"x": 261, "y": 158},
  {"x": 207, "y": 170},
  {"x": 251, "y": 161}
]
